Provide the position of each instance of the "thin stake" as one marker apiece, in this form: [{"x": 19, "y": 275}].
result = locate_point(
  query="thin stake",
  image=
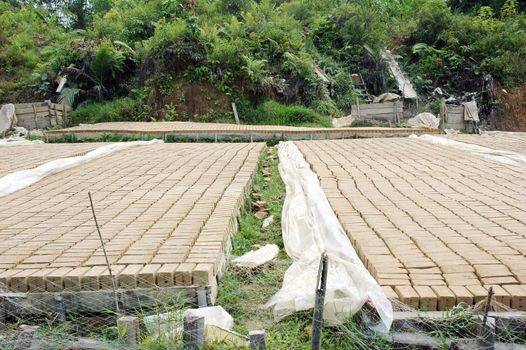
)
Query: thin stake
[
  {"x": 105, "y": 255},
  {"x": 321, "y": 287}
]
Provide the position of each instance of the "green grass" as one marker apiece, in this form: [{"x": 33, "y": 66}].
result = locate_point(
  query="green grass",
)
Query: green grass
[
  {"x": 275, "y": 113},
  {"x": 244, "y": 294}
]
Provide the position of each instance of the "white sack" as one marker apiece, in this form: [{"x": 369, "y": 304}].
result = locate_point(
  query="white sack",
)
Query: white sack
[
  {"x": 424, "y": 120},
  {"x": 24, "y": 178},
  {"x": 255, "y": 258},
  {"x": 214, "y": 315},
  {"x": 310, "y": 228},
  {"x": 502, "y": 156}
]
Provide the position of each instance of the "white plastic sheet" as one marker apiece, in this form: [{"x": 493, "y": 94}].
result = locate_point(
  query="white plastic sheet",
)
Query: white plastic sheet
[
  {"x": 21, "y": 179},
  {"x": 255, "y": 258},
  {"x": 214, "y": 315},
  {"x": 424, "y": 120},
  {"x": 502, "y": 156},
  {"x": 310, "y": 228}
]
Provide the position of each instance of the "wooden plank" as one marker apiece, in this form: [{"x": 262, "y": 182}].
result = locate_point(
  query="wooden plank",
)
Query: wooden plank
[
  {"x": 30, "y": 105},
  {"x": 28, "y": 110}
]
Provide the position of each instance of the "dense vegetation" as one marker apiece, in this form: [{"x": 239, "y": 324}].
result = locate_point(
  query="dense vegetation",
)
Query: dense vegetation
[{"x": 189, "y": 59}]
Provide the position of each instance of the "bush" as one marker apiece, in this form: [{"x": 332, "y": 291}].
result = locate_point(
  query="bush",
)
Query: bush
[
  {"x": 275, "y": 113},
  {"x": 122, "y": 109}
]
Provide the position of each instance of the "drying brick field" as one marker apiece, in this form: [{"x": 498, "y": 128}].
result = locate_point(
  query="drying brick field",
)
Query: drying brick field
[
  {"x": 434, "y": 225},
  {"x": 165, "y": 210}
]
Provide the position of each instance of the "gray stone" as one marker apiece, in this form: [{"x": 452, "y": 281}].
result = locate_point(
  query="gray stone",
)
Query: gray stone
[{"x": 7, "y": 118}]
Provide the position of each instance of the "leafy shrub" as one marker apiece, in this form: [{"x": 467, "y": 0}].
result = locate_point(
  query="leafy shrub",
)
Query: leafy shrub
[
  {"x": 275, "y": 113},
  {"x": 122, "y": 109}
]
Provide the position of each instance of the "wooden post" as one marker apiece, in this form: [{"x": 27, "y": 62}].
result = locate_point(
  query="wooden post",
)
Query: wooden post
[
  {"x": 201, "y": 297},
  {"x": 26, "y": 337},
  {"x": 59, "y": 306},
  {"x": 3, "y": 310},
  {"x": 235, "y": 112},
  {"x": 64, "y": 115},
  {"x": 56, "y": 115},
  {"x": 358, "y": 107},
  {"x": 128, "y": 329},
  {"x": 257, "y": 340},
  {"x": 194, "y": 333},
  {"x": 35, "y": 115},
  {"x": 443, "y": 114}
]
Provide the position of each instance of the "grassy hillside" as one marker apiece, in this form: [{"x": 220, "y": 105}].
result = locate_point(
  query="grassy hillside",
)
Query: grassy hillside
[{"x": 188, "y": 60}]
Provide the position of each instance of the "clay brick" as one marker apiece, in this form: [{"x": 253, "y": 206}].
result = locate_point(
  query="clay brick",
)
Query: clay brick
[
  {"x": 165, "y": 275},
  {"x": 105, "y": 280},
  {"x": 36, "y": 282},
  {"x": 479, "y": 293},
  {"x": 500, "y": 295},
  {"x": 499, "y": 280},
  {"x": 428, "y": 299},
  {"x": 128, "y": 277},
  {"x": 462, "y": 295},
  {"x": 408, "y": 296},
  {"x": 72, "y": 280},
  {"x": 90, "y": 280},
  {"x": 203, "y": 275},
  {"x": 183, "y": 274},
  {"x": 18, "y": 282},
  {"x": 446, "y": 298},
  {"x": 146, "y": 277},
  {"x": 55, "y": 280},
  {"x": 492, "y": 271},
  {"x": 518, "y": 296},
  {"x": 390, "y": 293}
]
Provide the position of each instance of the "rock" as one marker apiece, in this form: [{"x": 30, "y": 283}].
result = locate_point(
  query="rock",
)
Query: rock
[
  {"x": 261, "y": 214},
  {"x": 7, "y": 118},
  {"x": 268, "y": 221}
]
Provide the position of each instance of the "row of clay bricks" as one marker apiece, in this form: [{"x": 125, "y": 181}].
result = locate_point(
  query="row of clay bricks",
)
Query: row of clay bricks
[
  {"x": 141, "y": 127},
  {"x": 514, "y": 142},
  {"x": 431, "y": 298},
  {"x": 15, "y": 158},
  {"x": 212, "y": 240},
  {"x": 98, "y": 277},
  {"x": 390, "y": 252}
]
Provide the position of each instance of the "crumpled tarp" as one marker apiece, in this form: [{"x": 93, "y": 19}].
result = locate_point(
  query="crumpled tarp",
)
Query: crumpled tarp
[
  {"x": 471, "y": 112},
  {"x": 424, "y": 120},
  {"x": 21, "y": 179},
  {"x": 404, "y": 85},
  {"x": 310, "y": 228},
  {"x": 502, "y": 156},
  {"x": 387, "y": 97}
]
